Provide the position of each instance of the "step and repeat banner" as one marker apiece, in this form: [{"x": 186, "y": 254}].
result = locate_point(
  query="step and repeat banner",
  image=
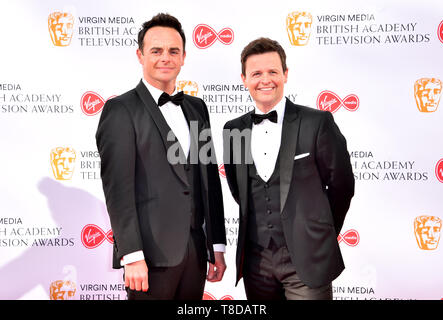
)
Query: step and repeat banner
[{"x": 377, "y": 66}]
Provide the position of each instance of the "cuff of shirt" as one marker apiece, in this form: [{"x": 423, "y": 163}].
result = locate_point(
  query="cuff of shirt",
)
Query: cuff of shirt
[
  {"x": 219, "y": 247},
  {"x": 138, "y": 255},
  {"x": 132, "y": 257}
]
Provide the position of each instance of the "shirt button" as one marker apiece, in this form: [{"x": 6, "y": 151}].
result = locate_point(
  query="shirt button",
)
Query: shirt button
[
  {"x": 270, "y": 226},
  {"x": 269, "y": 212}
]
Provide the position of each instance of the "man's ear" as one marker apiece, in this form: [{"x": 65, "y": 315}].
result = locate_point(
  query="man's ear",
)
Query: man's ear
[
  {"x": 184, "y": 56},
  {"x": 243, "y": 78},
  {"x": 139, "y": 55}
]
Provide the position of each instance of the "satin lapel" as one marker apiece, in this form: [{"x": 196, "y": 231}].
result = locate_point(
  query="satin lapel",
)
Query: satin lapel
[
  {"x": 195, "y": 127},
  {"x": 196, "y": 124},
  {"x": 291, "y": 126},
  {"x": 246, "y": 156},
  {"x": 163, "y": 128}
]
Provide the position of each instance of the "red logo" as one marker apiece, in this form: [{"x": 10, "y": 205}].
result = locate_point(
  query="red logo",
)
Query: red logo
[
  {"x": 92, "y": 236},
  {"x": 204, "y": 36},
  {"x": 439, "y": 170},
  {"x": 440, "y": 31},
  {"x": 221, "y": 170},
  {"x": 208, "y": 296},
  {"x": 92, "y": 103},
  {"x": 329, "y": 101},
  {"x": 350, "y": 237}
]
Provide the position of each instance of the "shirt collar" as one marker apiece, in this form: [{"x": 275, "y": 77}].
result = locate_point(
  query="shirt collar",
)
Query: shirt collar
[
  {"x": 155, "y": 93},
  {"x": 279, "y": 107}
]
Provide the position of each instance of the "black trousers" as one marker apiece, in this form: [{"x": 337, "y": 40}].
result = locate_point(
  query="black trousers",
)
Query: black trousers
[
  {"x": 269, "y": 274},
  {"x": 185, "y": 281}
]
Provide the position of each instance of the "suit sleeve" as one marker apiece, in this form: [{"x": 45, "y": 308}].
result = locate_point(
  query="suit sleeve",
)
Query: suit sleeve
[
  {"x": 216, "y": 211},
  {"x": 335, "y": 169},
  {"x": 115, "y": 139}
]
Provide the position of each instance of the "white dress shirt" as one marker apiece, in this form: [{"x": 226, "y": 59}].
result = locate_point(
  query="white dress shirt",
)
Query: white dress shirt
[
  {"x": 174, "y": 117},
  {"x": 266, "y": 140},
  {"x": 176, "y": 120}
]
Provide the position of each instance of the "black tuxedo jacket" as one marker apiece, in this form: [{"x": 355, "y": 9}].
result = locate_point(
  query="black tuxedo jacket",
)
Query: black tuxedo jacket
[
  {"x": 315, "y": 190},
  {"x": 147, "y": 197}
]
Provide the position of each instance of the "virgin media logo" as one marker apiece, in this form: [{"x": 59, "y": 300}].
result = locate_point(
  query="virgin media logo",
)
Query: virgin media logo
[
  {"x": 204, "y": 36},
  {"x": 92, "y": 103},
  {"x": 350, "y": 237},
  {"x": 221, "y": 170},
  {"x": 208, "y": 296},
  {"x": 439, "y": 170},
  {"x": 329, "y": 101},
  {"x": 92, "y": 236},
  {"x": 440, "y": 31}
]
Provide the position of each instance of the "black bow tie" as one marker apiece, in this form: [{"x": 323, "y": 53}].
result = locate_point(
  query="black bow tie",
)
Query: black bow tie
[
  {"x": 176, "y": 99},
  {"x": 258, "y": 118}
]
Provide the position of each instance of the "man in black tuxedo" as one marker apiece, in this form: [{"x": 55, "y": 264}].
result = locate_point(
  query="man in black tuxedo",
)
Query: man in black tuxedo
[
  {"x": 158, "y": 194},
  {"x": 289, "y": 170}
]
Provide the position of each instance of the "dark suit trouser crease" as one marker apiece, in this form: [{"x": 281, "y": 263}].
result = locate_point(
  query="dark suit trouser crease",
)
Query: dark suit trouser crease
[
  {"x": 270, "y": 275},
  {"x": 185, "y": 281}
]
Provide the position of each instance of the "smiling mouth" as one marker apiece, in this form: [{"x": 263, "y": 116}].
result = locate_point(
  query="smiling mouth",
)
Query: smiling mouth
[
  {"x": 266, "y": 89},
  {"x": 165, "y": 70}
]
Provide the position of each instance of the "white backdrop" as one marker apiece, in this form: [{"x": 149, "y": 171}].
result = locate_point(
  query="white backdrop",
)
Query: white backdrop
[{"x": 53, "y": 233}]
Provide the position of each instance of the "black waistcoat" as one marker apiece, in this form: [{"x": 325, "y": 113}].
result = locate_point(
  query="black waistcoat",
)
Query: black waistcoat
[{"x": 264, "y": 220}]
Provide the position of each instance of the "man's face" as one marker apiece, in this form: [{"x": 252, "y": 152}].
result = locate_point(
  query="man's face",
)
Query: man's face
[
  {"x": 428, "y": 96},
  {"x": 265, "y": 79},
  {"x": 162, "y": 57}
]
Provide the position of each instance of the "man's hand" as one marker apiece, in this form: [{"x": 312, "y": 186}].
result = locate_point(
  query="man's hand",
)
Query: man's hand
[
  {"x": 216, "y": 271},
  {"x": 136, "y": 276}
]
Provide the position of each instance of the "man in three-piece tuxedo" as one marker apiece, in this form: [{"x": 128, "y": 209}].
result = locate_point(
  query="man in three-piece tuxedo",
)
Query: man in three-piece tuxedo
[
  {"x": 289, "y": 170},
  {"x": 166, "y": 211}
]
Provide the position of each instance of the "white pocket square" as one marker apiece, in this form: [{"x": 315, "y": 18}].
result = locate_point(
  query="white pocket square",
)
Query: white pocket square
[{"x": 299, "y": 156}]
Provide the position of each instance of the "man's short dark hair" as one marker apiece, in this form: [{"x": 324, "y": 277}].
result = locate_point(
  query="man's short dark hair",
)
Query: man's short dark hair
[
  {"x": 259, "y": 46},
  {"x": 161, "y": 20}
]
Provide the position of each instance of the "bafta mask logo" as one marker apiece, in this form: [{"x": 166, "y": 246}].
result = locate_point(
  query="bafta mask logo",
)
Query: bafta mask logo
[
  {"x": 62, "y": 290},
  {"x": 427, "y": 93},
  {"x": 427, "y": 232},
  {"x": 188, "y": 87},
  {"x": 61, "y": 28},
  {"x": 63, "y": 162},
  {"x": 298, "y": 26}
]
